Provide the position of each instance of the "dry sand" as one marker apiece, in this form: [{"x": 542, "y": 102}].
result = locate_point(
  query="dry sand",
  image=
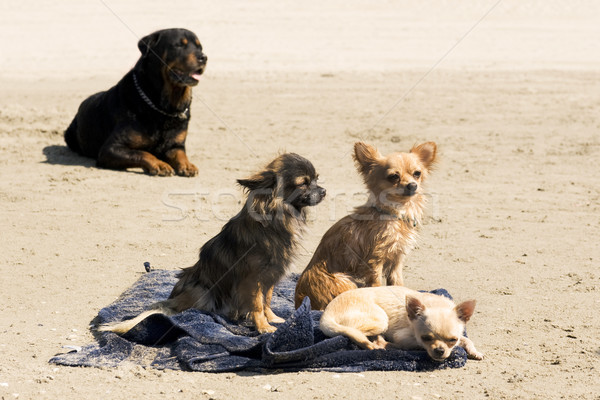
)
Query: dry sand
[{"x": 509, "y": 90}]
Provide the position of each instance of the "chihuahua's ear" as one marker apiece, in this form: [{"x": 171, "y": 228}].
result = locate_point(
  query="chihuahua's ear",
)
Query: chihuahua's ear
[
  {"x": 366, "y": 157},
  {"x": 148, "y": 42},
  {"x": 427, "y": 153},
  {"x": 262, "y": 180},
  {"x": 465, "y": 310},
  {"x": 414, "y": 308}
]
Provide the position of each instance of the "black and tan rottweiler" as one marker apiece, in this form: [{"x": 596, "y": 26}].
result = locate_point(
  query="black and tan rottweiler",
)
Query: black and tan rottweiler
[{"x": 142, "y": 121}]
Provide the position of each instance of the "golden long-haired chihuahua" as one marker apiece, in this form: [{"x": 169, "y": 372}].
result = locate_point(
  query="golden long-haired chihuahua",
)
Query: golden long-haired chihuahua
[
  {"x": 238, "y": 268},
  {"x": 368, "y": 247}
]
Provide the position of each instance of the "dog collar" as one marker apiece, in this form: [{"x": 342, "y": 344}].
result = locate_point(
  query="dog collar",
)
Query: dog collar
[
  {"x": 402, "y": 217},
  {"x": 182, "y": 115}
]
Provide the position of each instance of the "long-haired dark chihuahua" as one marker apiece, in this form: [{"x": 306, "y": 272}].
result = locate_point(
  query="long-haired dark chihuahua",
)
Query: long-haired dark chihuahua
[{"x": 238, "y": 267}]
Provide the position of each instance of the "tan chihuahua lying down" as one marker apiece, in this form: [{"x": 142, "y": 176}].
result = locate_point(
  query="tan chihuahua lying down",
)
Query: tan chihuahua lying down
[{"x": 402, "y": 318}]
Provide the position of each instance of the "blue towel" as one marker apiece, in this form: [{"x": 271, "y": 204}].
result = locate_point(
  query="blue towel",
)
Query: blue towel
[{"x": 199, "y": 341}]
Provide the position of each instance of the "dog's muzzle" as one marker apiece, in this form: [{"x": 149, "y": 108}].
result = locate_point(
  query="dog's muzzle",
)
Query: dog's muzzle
[
  {"x": 410, "y": 189},
  {"x": 314, "y": 197},
  {"x": 318, "y": 195}
]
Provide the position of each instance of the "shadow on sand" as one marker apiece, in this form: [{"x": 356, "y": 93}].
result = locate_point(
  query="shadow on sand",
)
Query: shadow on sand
[{"x": 62, "y": 155}]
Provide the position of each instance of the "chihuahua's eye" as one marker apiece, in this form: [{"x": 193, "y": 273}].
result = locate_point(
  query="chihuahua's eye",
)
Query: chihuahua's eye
[
  {"x": 302, "y": 182},
  {"x": 426, "y": 338},
  {"x": 393, "y": 177},
  {"x": 417, "y": 174},
  {"x": 451, "y": 341}
]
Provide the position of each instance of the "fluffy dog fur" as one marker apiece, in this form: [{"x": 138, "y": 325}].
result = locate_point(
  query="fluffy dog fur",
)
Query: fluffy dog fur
[
  {"x": 238, "y": 268},
  {"x": 398, "y": 317},
  {"x": 142, "y": 121},
  {"x": 368, "y": 247}
]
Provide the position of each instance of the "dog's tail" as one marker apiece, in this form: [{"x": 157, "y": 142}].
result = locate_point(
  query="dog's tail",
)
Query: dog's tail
[
  {"x": 125, "y": 326},
  {"x": 192, "y": 296},
  {"x": 331, "y": 327},
  {"x": 321, "y": 286},
  {"x": 71, "y": 137}
]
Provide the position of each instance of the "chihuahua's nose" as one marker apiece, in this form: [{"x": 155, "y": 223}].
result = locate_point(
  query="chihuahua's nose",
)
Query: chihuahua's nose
[
  {"x": 439, "y": 352},
  {"x": 322, "y": 192},
  {"x": 411, "y": 187}
]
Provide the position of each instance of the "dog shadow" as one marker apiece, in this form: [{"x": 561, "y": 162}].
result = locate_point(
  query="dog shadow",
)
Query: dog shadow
[{"x": 62, "y": 155}]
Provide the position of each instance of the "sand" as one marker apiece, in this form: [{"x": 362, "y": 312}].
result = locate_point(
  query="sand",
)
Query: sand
[{"x": 509, "y": 90}]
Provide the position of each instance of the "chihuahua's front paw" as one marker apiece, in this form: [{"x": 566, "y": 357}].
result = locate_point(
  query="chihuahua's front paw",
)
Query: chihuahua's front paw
[
  {"x": 379, "y": 344},
  {"x": 475, "y": 355},
  {"x": 272, "y": 318},
  {"x": 266, "y": 329},
  {"x": 469, "y": 347},
  {"x": 276, "y": 320}
]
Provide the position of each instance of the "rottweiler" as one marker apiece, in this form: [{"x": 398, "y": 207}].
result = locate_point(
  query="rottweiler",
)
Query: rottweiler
[{"x": 142, "y": 121}]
